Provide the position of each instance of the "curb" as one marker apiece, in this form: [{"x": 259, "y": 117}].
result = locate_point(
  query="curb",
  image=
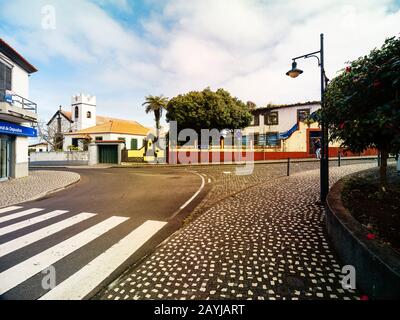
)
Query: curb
[
  {"x": 45, "y": 194},
  {"x": 377, "y": 265}
]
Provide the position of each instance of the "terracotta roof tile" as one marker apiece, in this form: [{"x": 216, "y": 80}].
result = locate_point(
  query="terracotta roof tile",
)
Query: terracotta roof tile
[
  {"x": 115, "y": 126},
  {"x": 67, "y": 114}
]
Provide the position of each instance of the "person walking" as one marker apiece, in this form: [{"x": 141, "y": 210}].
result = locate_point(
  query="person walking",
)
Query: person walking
[{"x": 317, "y": 148}]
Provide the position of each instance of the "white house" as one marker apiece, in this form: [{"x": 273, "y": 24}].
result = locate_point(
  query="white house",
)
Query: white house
[
  {"x": 17, "y": 112},
  {"x": 81, "y": 127},
  {"x": 282, "y": 128},
  {"x": 39, "y": 147}
]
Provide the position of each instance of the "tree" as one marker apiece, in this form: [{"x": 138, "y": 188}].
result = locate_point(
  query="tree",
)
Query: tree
[
  {"x": 156, "y": 104},
  {"x": 53, "y": 133},
  {"x": 362, "y": 106},
  {"x": 209, "y": 110}
]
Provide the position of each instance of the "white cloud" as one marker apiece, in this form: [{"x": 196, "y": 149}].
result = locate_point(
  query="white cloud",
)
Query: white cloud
[{"x": 245, "y": 46}]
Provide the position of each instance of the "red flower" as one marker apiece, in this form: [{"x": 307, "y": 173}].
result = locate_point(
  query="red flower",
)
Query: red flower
[
  {"x": 348, "y": 69},
  {"x": 364, "y": 297},
  {"x": 377, "y": 84},
  {"x": 371, "y": 236},
  {"x": 341, "y": 125}
]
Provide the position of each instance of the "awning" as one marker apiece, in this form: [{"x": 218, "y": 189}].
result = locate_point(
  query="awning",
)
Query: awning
[{"x": 287, "y": 134}]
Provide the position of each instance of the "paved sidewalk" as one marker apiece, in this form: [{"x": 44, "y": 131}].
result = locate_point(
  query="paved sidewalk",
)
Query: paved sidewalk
[
  {"x": 36, "y": 185},
  {"x": 267, "y": 242}
]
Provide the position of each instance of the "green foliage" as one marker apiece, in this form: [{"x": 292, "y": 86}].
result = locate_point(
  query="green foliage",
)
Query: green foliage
[
  {"x": 362, "y": 106},
  {"x": 71, "y": 148},
  {"x": 209, "y": 110}
]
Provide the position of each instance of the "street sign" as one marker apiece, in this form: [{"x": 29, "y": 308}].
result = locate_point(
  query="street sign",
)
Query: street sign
[{"x": 16, "y": 130}]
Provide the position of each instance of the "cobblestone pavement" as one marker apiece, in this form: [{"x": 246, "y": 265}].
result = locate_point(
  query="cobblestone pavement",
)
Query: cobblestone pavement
[
  {"x": 267, "y": 242},
  {"x": 37, "y": 184},
  {"x": 226, "y": 183}
]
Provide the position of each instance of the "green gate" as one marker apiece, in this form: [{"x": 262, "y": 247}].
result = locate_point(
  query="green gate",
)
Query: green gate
[{"x": 108, "y": 154}]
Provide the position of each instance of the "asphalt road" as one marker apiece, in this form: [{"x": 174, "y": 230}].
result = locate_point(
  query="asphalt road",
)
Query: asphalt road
[{"x": 146, "y": 197}]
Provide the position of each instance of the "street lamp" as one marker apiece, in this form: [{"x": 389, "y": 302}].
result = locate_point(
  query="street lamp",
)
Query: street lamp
[{"x": 294, "y": 73}]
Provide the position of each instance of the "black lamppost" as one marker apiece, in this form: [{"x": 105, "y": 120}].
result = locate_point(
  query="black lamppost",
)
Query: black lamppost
[{"x": 294, "y": 73}]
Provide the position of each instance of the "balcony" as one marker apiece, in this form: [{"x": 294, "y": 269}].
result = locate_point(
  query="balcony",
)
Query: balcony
[{"x": 15, "y": 108}]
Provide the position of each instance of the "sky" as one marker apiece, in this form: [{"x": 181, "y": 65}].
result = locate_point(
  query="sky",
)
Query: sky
[{"x": 121, "y": 50}]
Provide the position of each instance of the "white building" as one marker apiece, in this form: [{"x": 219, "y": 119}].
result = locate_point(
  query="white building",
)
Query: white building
[
  {"x": 17, "y": 112},
  {"x": 39, "y": 147},
  {"x": 282, "y": 128},
  {"x": 82, "y": 127}
]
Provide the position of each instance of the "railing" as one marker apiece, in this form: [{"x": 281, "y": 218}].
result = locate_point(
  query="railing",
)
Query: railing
[{"x": 18, "y": 101}]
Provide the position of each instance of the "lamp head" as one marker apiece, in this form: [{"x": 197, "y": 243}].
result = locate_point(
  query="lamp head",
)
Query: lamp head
[{"x": 294, "y": 72}]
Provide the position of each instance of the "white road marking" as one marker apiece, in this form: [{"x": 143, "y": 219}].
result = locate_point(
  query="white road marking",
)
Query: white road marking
[
  {"x": 37, "y": 235},
  {"x": 87, "y": 279},
  {"x": 196, "y": 194},
  {"x": 30, "y": 222},
  {"x": 9, "y": 209},
  {"x": 19, "y": 214},
  {"x": 21, "y": 272}
]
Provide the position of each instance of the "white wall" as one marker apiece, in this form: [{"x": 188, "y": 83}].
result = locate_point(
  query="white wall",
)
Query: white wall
[
  {"x": 19, "y": 78},
  {"x": 67, "y": 142},
  {"x": 128, "y": 138},
  {"x": 84, "y": 103},
  {"x": 108, "y": 137},
  {"x": 21, "y": 150},
  {"x": 20, "y": 82},
  {"x": 80, "y": 156},
  {"x": 43, "y": 147}
]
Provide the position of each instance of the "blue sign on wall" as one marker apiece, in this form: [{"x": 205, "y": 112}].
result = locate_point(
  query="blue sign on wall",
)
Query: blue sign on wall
[
  {"x": 16, "y": 130},
  {"x": 9, "y": 96}
]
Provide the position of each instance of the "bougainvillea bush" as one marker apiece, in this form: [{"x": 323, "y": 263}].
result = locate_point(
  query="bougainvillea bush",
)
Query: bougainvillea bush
[{"x": 362, "y": 106}]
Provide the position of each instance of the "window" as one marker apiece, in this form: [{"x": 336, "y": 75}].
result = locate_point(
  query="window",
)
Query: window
[
  {"x": 88, "y": 114},
  {"x": 76, "y": 112},
  {"x": 256, "y": 139},
  {"x": 121, "y": 139},
  {"x": 134, "y": 144},
  {"x": 272, "y": 139},
  {"x": 256, "y": 120},
  {"x": 302, "y": 114},
  {"x": 5, "y": 79},
  {"x": 98, "y": 138},
  {"x": 75, "y": 142},
  {"x": 271, "y": 118}
]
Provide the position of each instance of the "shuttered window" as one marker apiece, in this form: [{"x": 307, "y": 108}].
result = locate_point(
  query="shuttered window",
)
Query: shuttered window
[{"x": 134, "y": 144}]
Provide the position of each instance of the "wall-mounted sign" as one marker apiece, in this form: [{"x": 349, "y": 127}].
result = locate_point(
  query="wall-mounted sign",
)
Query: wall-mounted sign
[
  {"x": 16, "y": 130},
  {"x": 9, "y": 96}
]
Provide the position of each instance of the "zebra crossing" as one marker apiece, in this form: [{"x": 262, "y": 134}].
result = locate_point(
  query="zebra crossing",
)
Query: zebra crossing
[{"x": 88, "y": 277}]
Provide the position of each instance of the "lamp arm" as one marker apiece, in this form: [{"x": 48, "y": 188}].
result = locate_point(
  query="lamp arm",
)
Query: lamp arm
[{"x": 310, "y": 55}]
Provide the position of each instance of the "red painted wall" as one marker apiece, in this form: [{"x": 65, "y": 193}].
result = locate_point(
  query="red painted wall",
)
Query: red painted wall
[{"x": 202, "y": 157}]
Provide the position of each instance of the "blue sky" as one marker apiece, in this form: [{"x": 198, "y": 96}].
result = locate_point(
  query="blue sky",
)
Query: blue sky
[{"x": 122, "y": 50}]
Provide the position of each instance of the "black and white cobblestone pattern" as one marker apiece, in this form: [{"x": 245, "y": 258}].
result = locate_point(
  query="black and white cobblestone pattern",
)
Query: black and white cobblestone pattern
[{"x": 267, "y": 242}]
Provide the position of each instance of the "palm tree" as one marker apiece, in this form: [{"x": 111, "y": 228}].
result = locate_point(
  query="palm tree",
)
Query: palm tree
[{"x": 156, "y": 104}]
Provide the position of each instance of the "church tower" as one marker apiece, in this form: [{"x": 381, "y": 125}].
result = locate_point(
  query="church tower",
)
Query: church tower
[{"x": 83, "y": 111}]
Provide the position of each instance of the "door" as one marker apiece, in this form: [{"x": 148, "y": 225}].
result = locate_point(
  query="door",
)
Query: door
[
  {"x": 314, "y": 135},
  {"x": 108, "y": 154},
  {"x": 5, "y": 153}
]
